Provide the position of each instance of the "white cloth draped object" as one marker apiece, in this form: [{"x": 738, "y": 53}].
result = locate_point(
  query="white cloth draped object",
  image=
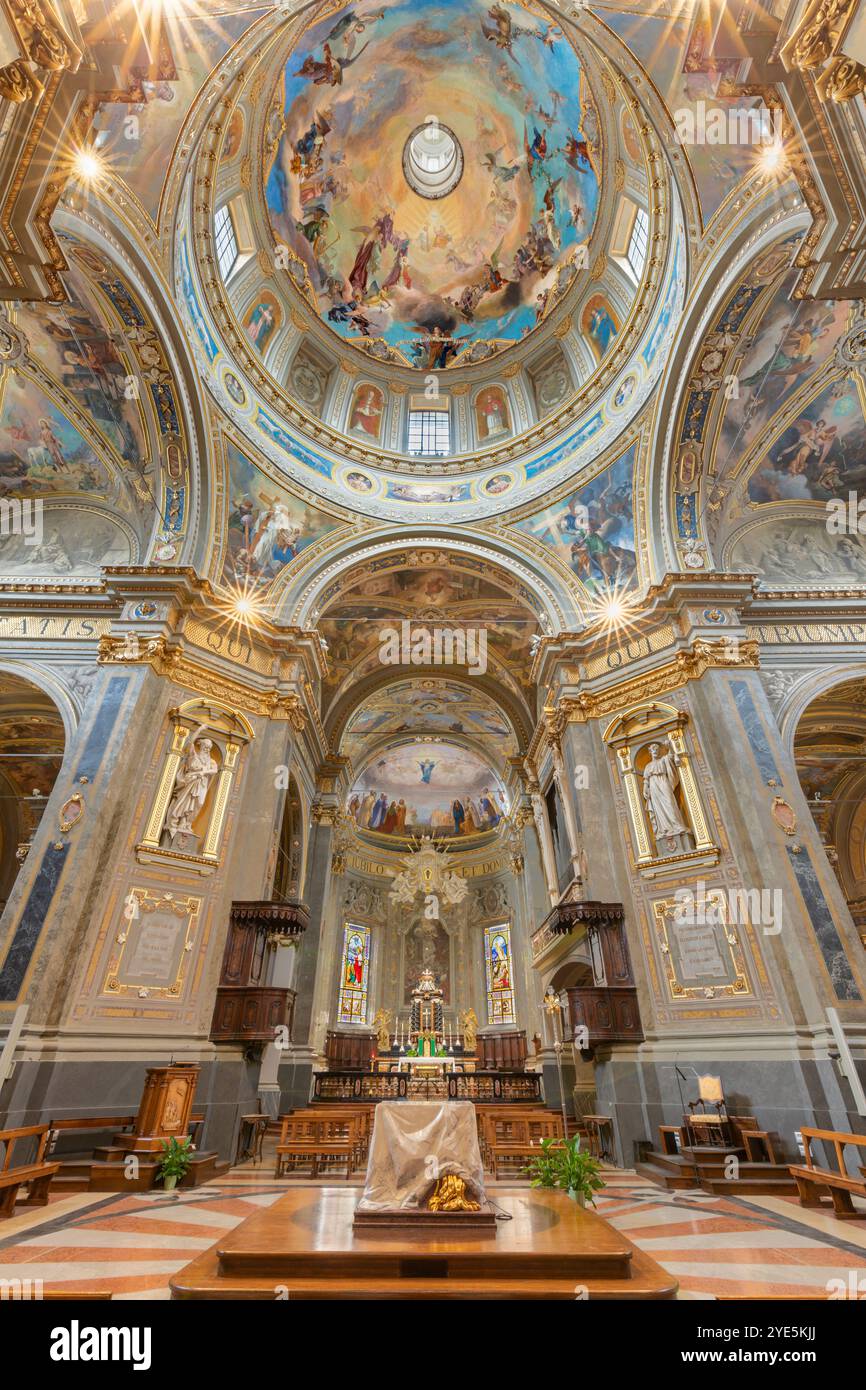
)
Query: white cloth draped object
[{"x": 413, "y": 1144}]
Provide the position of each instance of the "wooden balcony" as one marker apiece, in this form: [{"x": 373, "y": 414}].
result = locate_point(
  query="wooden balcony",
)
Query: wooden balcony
[
  {"x": 251, "y": 1013},
  {"x": 610, "y": 1014}
]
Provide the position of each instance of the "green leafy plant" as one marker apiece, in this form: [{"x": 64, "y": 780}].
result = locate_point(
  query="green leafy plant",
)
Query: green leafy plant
[
  {"x": 562, "y": 1163},
  {"x": 175, "y": 1161}
]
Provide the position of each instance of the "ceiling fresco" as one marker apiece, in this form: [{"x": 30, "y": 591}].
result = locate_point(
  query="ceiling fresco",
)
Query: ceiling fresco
[
  {"x": 435, "y": 278},
  {"x": 772, "y": 429},
  {"x": 267, "y": 526},
  {"x": 433, "y": 593},
  {"x": 675, "y": 48},
  {"x": 427, "y": 787},
  {"x": 429, "y": 705},
  {"x": 592, "y": 530},
  {"x": 137, "y": 131}
]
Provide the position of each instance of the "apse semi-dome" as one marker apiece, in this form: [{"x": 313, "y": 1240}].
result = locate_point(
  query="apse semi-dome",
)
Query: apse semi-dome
[{"x": 381, "y": 112}]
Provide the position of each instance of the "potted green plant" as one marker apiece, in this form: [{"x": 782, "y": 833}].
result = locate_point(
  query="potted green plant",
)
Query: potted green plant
[
  {"x": 175, "y": 1161},
  {"x": 562, "y": 1163}
]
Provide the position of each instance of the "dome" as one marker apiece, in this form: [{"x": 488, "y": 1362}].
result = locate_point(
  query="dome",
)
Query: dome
[
  {"x": 447, "y": 255},
  {"x": 366, "y": 147}
]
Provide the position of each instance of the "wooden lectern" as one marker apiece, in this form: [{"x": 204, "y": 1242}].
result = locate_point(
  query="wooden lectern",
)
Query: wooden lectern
[{"x": 165, "y": 1109}]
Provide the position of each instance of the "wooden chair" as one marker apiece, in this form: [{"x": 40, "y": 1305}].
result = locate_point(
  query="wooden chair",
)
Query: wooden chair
[
  {"x": 36, "y": 1175},
  {"x": 812, "y": 1180}
]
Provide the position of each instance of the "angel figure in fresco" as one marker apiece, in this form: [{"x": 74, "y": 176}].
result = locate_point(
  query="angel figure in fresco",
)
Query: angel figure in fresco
[
  {"x": 328, "y": 69},
  {"x": 577, "y": 153},
  {"x": 536, "y": 149},
  {"x": 351, "y": 25},
  {"x": 502, "y": 32},
  {"x": 794, "y": 356},
  {"x": 503, "y": 173},
  {"x": 815, "y": 440}
]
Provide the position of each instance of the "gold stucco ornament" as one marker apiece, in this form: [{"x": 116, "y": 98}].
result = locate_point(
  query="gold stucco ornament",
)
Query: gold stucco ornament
[{"x": 450, "y": 1193}]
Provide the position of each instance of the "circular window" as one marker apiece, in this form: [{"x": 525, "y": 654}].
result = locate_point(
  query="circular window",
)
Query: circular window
[{"x": 432, "y": 160}]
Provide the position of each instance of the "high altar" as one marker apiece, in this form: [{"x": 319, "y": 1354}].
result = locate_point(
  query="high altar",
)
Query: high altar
[{"x": 426, "y": 1035}]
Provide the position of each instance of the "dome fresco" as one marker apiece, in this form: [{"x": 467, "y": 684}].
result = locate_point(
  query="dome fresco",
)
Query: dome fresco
[{"x": 435, "y": 277}]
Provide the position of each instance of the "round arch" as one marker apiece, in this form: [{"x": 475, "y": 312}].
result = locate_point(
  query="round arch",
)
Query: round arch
[{"x": 723, "y": 271}]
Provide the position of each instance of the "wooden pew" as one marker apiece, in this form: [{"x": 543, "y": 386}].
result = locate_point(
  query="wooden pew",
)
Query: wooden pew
[
  {"x": 812, "y": 1180},
  {"x": 36, "y": 1175},
  {"x": 522, "y": 1139},
  {"x": 318, "y": 1139}
]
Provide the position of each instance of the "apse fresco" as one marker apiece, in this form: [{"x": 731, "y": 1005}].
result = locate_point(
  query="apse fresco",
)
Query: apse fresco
[
  {"x": 820, "y": 455},
  {"x": 267, "y": 526},
  {"x": 427, "y": 787},
  {"x": 437, "y": 279},
  {"x": 592, "y": 531},
  {"x": 139, "y": 131},
  {"x": 793, "y": 550}
]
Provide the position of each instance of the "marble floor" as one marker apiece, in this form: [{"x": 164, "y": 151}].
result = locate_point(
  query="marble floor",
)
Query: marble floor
[{"x": 132, "y": 1243}]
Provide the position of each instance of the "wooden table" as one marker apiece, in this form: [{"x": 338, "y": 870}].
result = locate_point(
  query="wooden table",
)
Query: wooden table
[
  {"x": 598, "y": 1127},
  {"x": 306, "y": 1244},
  {"x": 251, "y": 1137}
]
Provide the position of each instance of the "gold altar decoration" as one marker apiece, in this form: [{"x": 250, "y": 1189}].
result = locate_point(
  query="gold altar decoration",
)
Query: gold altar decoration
[
  {"x": 450, "y": 1193},
  {"x": 382, "y": 1025},
  {"x": 426, "y": 872},
  {"x": 470, "y": 1031}
]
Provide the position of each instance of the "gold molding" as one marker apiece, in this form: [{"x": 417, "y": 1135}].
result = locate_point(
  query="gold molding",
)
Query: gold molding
[
  {"x": 662, "y": 912},
  {"x": 686, "y": 666},
  {"x": 174, "y": 664},
  {"x": 148, "y": 902}
]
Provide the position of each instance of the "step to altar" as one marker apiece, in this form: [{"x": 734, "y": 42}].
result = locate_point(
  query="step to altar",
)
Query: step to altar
[
  {"x": 707, "y": 1168},
  {"x": 306, "y": 1246},
  {"x": 108, "y": 1170}
]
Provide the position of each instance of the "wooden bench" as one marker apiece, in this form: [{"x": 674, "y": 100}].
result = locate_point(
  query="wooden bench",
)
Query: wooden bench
[
  {"x": 36, "y": 1175},
  {"x": 504, "y": 1124},
  {"x": 319, "y": 1140},
  {"x": 520, "y": 1142},
  {"x": 811, "y": 1180}
]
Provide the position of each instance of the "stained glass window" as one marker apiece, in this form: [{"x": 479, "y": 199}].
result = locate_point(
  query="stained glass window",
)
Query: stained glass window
[
  {"x": 353, "y": 981},
  {"x": 500, "y": 981}
]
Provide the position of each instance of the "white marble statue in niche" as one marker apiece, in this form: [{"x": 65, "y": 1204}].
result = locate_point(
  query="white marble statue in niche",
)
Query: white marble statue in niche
[
  {"x": 197, "y": 768},
  {"x": 660, "y": 781}
]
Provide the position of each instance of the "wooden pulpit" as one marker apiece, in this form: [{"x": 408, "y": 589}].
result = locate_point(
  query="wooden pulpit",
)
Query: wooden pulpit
[{"x": 165, "y": 1109}]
